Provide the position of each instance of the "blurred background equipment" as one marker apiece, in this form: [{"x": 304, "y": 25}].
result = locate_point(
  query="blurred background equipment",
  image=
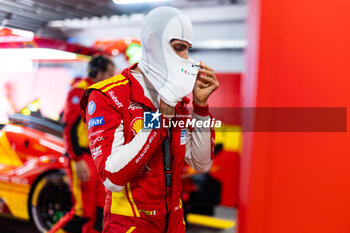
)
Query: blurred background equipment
[
  {"x": 38, "y": 68},
  {"x": 126, "y": 51}
]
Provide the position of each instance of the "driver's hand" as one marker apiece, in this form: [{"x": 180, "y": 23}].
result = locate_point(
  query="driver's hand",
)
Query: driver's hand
[
  {"x": 206, "y": 84},
  {"x": 166, "y": 110},
  {"x": 82, "y": 170}
]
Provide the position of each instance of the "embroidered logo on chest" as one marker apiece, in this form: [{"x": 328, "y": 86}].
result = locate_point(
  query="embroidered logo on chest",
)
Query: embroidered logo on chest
[
  {"x": 115, "y": 99},
  {"x": 183, "y": 137},
  {"x": 136, "y": 125},
  {"x": 134, "y": 105}
]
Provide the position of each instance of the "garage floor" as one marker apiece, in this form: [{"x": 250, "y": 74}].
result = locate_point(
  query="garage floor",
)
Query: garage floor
[
  {"x": 17, "y": 226},
  {"x": 220, "y": 213}
]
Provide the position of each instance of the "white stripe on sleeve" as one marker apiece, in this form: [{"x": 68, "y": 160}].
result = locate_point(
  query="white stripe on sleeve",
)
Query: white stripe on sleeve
[
  {"x": 121, "y": 154},
  {"x": 113, "y": 187}
]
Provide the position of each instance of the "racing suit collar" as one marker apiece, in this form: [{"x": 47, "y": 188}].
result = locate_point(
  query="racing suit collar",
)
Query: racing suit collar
[
  {"x": 89, "y": 81},
  {"x": 137, "y": 93}
]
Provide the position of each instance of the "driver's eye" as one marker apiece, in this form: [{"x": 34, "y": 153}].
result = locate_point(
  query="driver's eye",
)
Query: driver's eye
[{"x": 179, "y": 47}]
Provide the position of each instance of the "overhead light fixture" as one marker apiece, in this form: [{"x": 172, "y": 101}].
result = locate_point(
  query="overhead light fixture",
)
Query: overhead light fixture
[
  {"x": 220, "y": 44},
  {"x": 16, "y": 65},
  {"x": 137, "y": 1},
  {"x": 37, "y": 54}
]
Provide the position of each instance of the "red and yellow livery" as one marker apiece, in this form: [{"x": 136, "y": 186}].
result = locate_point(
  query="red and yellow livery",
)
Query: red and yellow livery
[{"x": 32, "y": 170}]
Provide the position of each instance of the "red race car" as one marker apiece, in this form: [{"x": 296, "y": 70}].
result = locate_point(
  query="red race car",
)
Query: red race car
[{"x": 33, "y": 184}]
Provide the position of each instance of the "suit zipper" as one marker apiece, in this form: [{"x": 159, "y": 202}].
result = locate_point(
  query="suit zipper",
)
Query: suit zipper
[
  {"x": 167, "y": 174},
  {"x": 166, "y": 208}
]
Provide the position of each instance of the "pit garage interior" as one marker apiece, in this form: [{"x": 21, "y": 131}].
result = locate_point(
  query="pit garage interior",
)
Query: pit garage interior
[{"x": 281, "y": 161}]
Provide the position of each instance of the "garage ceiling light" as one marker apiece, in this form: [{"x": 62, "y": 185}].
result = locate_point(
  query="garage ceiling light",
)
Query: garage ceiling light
[
  {"x": 136, "y": 1},
  {"x": 220, "y": 44},
  {"x": 16, "y": 65},
  {"x": 37, "y": 54}
]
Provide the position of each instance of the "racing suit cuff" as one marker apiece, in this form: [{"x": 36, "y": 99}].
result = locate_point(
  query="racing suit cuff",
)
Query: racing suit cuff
[{"x": 200, "y": 110}]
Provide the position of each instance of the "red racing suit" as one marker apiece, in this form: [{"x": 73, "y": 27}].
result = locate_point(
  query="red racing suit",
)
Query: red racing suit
[
  {"x": 88, "y": 197},
  {"x": 131, "y": 160}
]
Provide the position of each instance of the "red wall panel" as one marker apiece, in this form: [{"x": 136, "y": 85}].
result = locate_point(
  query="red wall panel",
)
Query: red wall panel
[{"x": 298, "y": 56}]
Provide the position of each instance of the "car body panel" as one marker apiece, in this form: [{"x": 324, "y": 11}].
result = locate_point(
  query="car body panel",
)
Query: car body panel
[{"x": 26, "y": 154}]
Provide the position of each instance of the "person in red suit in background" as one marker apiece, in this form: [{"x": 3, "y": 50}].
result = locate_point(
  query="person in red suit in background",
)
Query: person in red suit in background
[{"x": 87, "y": 189}]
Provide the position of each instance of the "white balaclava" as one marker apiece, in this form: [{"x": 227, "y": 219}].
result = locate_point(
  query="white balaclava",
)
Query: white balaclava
[{"x": 172, "y": 76}]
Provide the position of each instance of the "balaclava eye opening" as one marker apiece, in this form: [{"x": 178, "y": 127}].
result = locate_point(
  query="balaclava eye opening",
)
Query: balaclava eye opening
[{"x": 172, "y": 76}]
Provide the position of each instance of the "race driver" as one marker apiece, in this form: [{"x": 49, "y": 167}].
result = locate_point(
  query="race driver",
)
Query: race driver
[
  {"x": 141, "y": 165},
  {"x": 86, "y": 186}
]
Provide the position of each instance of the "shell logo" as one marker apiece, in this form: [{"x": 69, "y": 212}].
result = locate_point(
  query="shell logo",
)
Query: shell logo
[{"x": 137, "y": 125}]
